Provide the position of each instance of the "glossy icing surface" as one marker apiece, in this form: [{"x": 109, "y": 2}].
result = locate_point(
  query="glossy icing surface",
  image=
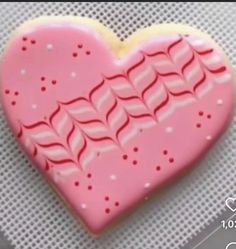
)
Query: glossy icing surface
[{"x": 107, "y": 132}]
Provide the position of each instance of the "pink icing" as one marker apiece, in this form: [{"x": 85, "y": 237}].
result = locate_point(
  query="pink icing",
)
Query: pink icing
[{"x": 107, "y": 132}]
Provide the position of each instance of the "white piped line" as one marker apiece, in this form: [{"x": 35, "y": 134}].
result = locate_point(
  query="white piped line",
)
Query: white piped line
[
  {"x": 49, "y": 47},
  {"x": 208, "y": 137},
  {"x": 199, "y": 42},
  {"x": 169, "y": 129},
  {"x": 22, "y": 71},
  {"x": 83, "y": 206},
  {"x": 73, "y": 75},
  {"x": 147, "y": 185},
  {"x": 113, "y": 177},
  {"x": 219, "y": 102}
]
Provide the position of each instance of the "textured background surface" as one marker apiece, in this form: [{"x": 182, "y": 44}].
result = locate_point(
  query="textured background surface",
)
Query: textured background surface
[{"x": 31, "y": 216}]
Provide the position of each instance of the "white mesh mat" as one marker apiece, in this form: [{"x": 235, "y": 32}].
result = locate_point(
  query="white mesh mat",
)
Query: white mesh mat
[{"x": 32, "y": 216}]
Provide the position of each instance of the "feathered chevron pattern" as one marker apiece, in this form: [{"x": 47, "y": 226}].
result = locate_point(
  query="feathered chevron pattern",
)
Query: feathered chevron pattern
[{"x": 120, "y": 105}]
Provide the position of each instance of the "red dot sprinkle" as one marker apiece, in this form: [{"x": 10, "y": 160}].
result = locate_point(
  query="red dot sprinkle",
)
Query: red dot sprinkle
[
  {"x": 75, "y": 54},
  {"x": 171, "y": 160},
  {"x": 76, "y": 184},
  {"x": 24, "y": 38},
  {"x": 209, "y": 116},
  {"x": 47, "y": 167},
  {"x": 135, "y": 162},
  {"x": 158, "y": 168},
  {"x": 89, "y": 187},
  {"x": 107, "y": 210},
  {"x": 33, "y": 41},
  {"x": 198, "y": 125},
  {"x": 54, "y": 82},
  {"x": 88, "y": 52},
  {"x": 135, "y": 149},
  {"x": 16, "y": 93},
  {"x": 43, "y": 88},
  {"x": 89, "y": 175},
  {"x": 106, "y": 198},
  {"x": 23, "y": 48},
  {"x": 42, "y": 78},
  {"x": 80, "y": 46},
  {"x": 13, "y": 102},
  {"x": 7, "y": 91},
  {"x": 117, "y": 203},
  {"x": 165, "y": 152},
  {"x": 201, "y": 113},
  {"x": 125, "y": 157}
]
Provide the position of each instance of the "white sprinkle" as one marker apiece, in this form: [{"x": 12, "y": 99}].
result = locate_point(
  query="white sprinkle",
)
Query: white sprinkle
[
  {"x": 208, "y": 138},
  {"x": 147, "y": 185},
  {"x": 34, "y": 106},
  {"x": 219, "y": 102},
  {"x": 83, "y": 206},
  {"x": 49, "y": 46},
  {"x": 169, "y": 129},
  {"x": 197, "y": 42},
  {"x": 113, "y": 177},
  {"x": 73, "y": 74},
  {"x": 22, "y": 71}
]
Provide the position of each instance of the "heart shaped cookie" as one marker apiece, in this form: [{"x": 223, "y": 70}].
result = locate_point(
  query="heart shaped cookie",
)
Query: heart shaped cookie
[{"x": 108, "y": 122}]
